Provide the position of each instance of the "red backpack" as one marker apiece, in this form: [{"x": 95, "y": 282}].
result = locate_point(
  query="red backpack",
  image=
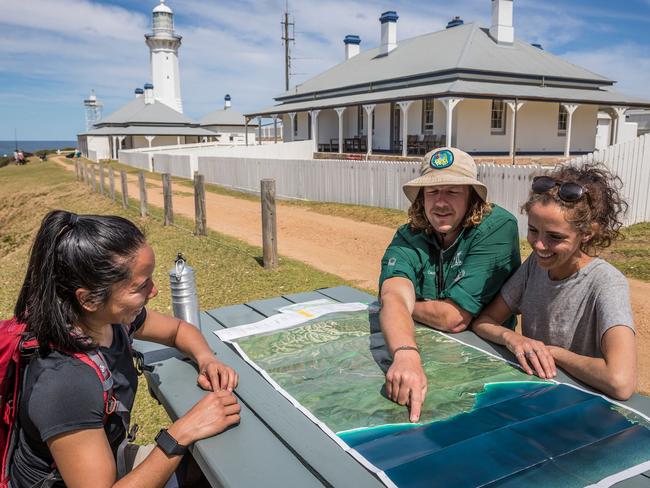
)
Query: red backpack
[{"x": 16, "y": 349}]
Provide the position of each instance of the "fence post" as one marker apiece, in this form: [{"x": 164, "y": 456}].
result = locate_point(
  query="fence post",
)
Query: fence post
[
  {"x": 101, "y": 178},
  {"x": 143, "y": 195},
  {"x": 269, "y": 227},
  {"x": 167, "y": 199},
  {"x": 111, "y": 182},
  {"x": 85, "y": 167},
  {"x": 77, "y": 170},
  {"x": 199, "y": 205},
  {"x": 125, "y": 189},
  {"x": 93, "y": 180}
]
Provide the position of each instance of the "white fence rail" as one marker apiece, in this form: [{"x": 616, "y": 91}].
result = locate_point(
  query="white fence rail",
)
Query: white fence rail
[
  {"x": 379, "y": 183},
  {"x": 174, "y": 165},
  {"x": 631, "y": 162},
  {"x": 137, "y": 160}
]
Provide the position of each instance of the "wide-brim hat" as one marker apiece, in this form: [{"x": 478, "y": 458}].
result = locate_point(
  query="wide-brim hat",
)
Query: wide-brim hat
[{"x": 445, "y": 166}]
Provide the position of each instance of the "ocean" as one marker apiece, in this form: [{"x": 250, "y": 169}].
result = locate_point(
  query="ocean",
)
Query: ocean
[{"x": 8, "y": 147}]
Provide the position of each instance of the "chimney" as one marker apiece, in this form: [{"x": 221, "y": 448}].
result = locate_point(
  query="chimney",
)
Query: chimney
[
  {"x": 388, "y": 32},
  {"x": 502, "y": 29},
  {"x": 351, "y": 45},
  {"x": 148, "y": 94},
  {"x": 226, "y": 102},
  {"x": 139, "y": 92}
]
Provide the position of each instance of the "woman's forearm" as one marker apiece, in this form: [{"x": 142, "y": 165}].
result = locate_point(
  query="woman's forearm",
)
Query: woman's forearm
[{"x": 596, "y": 372}]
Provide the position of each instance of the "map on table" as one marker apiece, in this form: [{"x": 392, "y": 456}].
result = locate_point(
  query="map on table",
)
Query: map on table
[{"x": 484, "y": 421}]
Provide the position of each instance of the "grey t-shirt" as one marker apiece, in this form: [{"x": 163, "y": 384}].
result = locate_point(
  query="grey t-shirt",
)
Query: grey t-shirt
[{"x": 572, "y": 313}]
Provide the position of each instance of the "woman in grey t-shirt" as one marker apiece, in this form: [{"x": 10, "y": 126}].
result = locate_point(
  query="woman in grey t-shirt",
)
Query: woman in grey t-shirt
[{"x": 575, "y": 307}]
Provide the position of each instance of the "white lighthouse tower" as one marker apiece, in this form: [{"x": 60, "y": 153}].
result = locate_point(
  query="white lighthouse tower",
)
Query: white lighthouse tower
[{"x": 163, "y": 44}]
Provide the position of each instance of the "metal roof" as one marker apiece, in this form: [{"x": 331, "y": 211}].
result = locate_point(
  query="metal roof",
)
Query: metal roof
[
  {"x": 466, "y": 89},
  {"x": 465, "y": 47},
  {"x": 136, "y": 111},
  {"x": 149, "y": 130},
  {"x": 224, "y": 117}
]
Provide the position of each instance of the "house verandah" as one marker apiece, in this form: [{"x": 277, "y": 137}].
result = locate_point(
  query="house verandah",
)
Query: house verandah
[{"x": 479, "y": 125}]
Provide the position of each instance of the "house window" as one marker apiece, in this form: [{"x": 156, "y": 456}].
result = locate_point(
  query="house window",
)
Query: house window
[
  {"x": 294, "y": 123},
  {"x": 427, "y": 116},
  {"x": 498, "y": 117},
  {"x": 359, "y": 120},
  {"x": 561, "y": 121}
]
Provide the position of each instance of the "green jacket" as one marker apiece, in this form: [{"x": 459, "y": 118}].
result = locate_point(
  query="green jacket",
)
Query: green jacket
[{"x": 470, "y": 272}]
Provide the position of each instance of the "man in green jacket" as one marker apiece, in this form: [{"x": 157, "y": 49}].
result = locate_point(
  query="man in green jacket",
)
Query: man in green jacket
[{"x": 442, "y": 267}]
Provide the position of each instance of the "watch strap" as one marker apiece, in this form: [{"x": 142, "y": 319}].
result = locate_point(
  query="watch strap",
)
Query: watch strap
[{"x": 168, "y": 444}]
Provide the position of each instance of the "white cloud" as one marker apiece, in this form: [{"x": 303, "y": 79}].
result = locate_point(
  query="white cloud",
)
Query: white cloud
[{"x": 54, "y": 52}]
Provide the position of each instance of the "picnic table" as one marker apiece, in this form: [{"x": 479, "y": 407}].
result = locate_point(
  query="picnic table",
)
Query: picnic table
[{"x": 275, "y": 445}]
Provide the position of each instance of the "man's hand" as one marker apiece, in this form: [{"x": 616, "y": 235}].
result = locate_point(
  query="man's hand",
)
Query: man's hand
[{"x": 406, "y": 382}]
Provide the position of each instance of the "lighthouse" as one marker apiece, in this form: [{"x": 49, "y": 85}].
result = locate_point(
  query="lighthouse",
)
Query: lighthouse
[{"x": 163, "y": 46}]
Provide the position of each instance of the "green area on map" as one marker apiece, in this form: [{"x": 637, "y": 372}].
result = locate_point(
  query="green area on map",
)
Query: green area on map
[{"x": 335, "y": 366}]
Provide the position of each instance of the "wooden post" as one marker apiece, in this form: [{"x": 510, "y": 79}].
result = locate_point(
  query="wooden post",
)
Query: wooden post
[
  {"x": 85, "y": 167},
  {"x": 93, "y": 180},
  {"x": 199, "y": 206},
  {"x": 111, "y": 182},
  {"x": 101, "y": 179},
  {"x": 125, "y": 189},
  {"x": 76, "y": 170},
  {"x": 167, "y": 199},
  {"x": 269, "y": 226},
  {"x": 143, "y": 195}
]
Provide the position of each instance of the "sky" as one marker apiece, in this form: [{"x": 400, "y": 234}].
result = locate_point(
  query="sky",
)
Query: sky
[{"x": 54, "y": 52}]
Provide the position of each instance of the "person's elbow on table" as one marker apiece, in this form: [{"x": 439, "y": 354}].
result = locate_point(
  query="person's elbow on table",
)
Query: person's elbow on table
[{"x": 443, "y": 315}]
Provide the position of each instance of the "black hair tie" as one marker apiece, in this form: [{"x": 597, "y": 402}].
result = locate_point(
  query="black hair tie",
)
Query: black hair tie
[{"x": 73, "y": 219}]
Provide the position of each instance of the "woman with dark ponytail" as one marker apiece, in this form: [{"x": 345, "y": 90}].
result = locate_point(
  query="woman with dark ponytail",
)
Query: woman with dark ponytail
[{"x": 86, "y": 288}]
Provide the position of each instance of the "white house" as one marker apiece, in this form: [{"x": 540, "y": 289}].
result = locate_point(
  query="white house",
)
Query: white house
[
  {"x": 480, "y": 89},
  {"x": 230, "y": 124}
]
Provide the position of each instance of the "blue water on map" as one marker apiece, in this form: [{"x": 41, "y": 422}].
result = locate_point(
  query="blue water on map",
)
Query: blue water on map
[{"x": 516, "y": 434}]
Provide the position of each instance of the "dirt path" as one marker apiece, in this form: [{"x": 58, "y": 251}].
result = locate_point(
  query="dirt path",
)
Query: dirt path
[{"x": 349, "y": 249}]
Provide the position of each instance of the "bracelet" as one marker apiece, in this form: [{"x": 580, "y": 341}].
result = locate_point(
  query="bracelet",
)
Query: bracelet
[{"x": 406, "y": 348}]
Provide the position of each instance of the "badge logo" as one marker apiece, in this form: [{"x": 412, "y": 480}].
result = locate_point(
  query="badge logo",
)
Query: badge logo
[
  {"x": 442, "y": 159},
  {"x": 392, "y": 261},
  {"x": 456, "y": 262}
]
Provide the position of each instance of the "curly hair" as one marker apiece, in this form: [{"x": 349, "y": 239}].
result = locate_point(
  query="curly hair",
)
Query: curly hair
[
  {"x": 600, "y": 212},
  {"x": 477, "y": 210}
]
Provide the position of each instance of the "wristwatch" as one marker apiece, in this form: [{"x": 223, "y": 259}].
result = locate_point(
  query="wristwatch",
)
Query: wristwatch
[{"x": 168, "y": 444}]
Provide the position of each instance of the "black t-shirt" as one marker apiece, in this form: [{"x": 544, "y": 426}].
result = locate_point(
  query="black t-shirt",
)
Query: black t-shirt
[{"x": 62, "y": 394}]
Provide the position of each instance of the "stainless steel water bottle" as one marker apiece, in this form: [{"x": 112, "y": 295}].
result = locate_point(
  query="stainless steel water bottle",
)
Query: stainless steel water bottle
[{"x": 185, "y": 301}]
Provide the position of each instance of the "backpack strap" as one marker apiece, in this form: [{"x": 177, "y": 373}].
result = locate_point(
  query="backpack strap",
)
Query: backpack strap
[{"x": 95, "y": 359}]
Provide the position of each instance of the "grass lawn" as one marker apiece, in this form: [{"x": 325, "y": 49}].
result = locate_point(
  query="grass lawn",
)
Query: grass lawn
[{"x": 227, "y": 270}]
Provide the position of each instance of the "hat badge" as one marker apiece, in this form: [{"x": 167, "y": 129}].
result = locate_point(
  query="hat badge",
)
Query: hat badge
[{"x": 442, "y": 159}]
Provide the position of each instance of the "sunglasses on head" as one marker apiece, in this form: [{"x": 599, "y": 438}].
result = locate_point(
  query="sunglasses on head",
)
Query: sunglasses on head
[{"x": 568, "y": 191}]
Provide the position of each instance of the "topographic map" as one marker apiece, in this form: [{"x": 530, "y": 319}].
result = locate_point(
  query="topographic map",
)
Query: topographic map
[{"x": 484, "y": 422}]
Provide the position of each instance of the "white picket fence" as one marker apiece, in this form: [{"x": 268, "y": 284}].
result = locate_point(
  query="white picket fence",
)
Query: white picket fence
[
  {"x": 631, "y": 162},
  {"x": 379, "y": 183}
]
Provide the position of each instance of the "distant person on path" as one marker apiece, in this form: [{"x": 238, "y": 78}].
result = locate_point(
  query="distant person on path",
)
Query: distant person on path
[
  {"x": 21, "y": 156},
  {"x": 86, "y": 289},
  {"x": 16, "y": 156},
  {"x": 442, "y": 267},
  {"x": 575, "y": 307}
]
